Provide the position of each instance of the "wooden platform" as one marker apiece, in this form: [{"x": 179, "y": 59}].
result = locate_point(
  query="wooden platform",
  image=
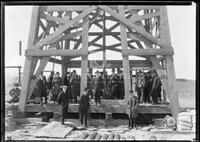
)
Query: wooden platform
[{"x": 113, "y": 106}]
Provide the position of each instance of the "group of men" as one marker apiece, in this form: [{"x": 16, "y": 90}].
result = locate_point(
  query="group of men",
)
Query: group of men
[{"x": 148, "y": 87}]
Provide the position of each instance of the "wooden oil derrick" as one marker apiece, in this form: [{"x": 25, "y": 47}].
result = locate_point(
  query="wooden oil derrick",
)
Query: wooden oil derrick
[{"x": 65, "y": 31}]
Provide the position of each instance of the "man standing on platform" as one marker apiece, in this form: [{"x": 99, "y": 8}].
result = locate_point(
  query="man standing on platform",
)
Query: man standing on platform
[
  {"x": 90, "y": 83},
  {"x": 41, "y": 85},
  {"x": 83, "y": 107},
  {"x": 63, "y": 101},
  {"x": 50, "y": 83},
  {"x": 113, "y": 84},
  {"x": 98, "y": 86}
]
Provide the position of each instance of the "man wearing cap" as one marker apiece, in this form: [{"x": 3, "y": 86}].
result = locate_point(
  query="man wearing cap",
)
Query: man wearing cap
[
  {"x": 132, "y": 109},
  {"x": 63, "y": 101},
  {"x": 98, "y": 86},
  {"x": 121, "y": 85},
  {"x": 41, "y": 85}
]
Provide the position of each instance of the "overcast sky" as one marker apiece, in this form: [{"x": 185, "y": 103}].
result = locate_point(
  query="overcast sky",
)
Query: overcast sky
[{"x": 182, "y": 28}]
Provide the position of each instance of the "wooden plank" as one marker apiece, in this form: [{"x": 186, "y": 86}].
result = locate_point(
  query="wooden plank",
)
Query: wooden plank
[
  {"x": 62, "y": 28},
  {"x": 73, "y": 108},
  {"x": 63, "y": 8},
  {"x": 54, "y": 60},
  {"x": 136, "y": 18},
  {"x": 64, "y": 37},
  {"x": 110, "y": 63},
  {"x": 127, "y": 83},
  {"x": 55, "y": 52},
  {"x": 140, "y": 7},
  {"x": 133, "y": 26},
  {"x": 29, "y": 65},
  {"x": 54, "y": 130},
  {"x": 153, "y": 51},
  {"x": 84, "y": 61}
]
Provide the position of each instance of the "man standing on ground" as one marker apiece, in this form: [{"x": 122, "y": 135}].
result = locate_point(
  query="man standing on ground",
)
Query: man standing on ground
[
  {"x": 83, "y": 107},
  {"x": 63, "y": 101},
  {"x": 132, "y": 109}
]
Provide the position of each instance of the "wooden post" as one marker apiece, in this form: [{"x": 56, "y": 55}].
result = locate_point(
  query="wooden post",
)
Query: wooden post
[
  {"x": 104, "y": 41},
  {"x": 29, "y": 65},
  {"x": 125, "y": 62},
  {"x": 84, "y": 62},
  {"x": 166, "y": 39}
]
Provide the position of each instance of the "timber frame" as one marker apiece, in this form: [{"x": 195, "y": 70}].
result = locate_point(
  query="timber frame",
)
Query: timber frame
[{"x": 65, "y": 31}]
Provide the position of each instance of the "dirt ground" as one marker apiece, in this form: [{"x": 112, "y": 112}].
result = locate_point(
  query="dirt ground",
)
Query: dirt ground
[{"x": 186, "y": 93}]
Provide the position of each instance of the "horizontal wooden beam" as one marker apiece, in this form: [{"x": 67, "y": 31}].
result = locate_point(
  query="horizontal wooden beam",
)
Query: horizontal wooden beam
[
  {"x": 110, "y": 63},
  {"x": 104, "y": 108},
  {"x": 137, "y": 52},
  {"x": 56, "y": 52},
  {"x": 140, "y": 7},
  {"x": 62, "y": 8},
  {"x": 57, "y": 61}
]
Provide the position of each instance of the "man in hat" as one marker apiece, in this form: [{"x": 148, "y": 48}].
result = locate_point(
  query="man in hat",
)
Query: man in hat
[
  {"x": 140, "y": 85},
  {"x": 98, "y": 86},
  {"x": 132, "y": 109},
  {"x": 84, "y": 106},
  {"x": 41, "y": 85},
  {"x": 63, "y": 101},
  {"x": 90, "y": 83},
  {"x": 121, "y": 85},
  {"x": 156, "y": 87},
  {"x": 57, "y": 82},
  {"x": 50, "y": 83},
  {"x": 113, "y": 84},
  {"x": 75, "y": 86}
]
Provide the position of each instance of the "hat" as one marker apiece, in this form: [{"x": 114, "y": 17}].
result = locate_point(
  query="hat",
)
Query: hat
[
  {"x": 64, "y": 86},
  {"x": 52, "y": 72},
  {"x": 15, "y": 84},
  {"x": 57, "y": 73},
  {"x": 90, "y": 70},
  {"x": 74, "y": 71},
  {"x": 97, "y": 72},
  {"x": 113, "y": 69},
  {"x": 66, "y": 72}
]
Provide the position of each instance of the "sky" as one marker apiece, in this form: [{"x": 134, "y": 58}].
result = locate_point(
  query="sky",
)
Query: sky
[{"x": 182, "y": 28}]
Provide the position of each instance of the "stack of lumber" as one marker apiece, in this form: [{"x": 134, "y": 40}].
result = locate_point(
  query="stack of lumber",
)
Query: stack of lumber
[{"x": 186, "y": 120}]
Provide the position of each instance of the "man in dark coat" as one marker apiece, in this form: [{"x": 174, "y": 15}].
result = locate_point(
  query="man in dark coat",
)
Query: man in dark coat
[
  {"x": 113, "y": 84},
  {"x": 41, "y": 85},
  {"x": 63, "y": 101},
  {"x": 121, "y": 85},
  {"x": 75, "y": 86},
  {"x": 65, "y": 79},
  {"x": 147, "y": 87},
  {"x": 156, "y": 87},
  {"x": 98, "y": 86},
  {"x": 132, "y": 109},
  {"x": 90, "y": 83},
  {"x": 50, "y": 83},
  {"x": 84, "y": 105}
]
